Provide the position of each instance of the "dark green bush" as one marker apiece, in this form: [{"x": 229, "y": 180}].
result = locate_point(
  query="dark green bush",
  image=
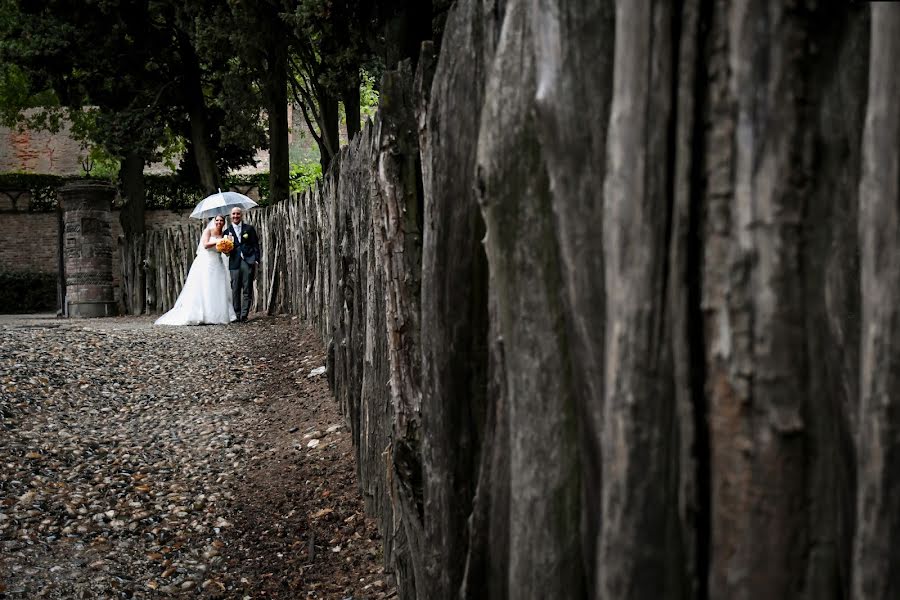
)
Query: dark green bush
[
  {"x": 163, "y": 191},
  {"x": 23, "y": 292},
  {"x": 168, "y": 191}
]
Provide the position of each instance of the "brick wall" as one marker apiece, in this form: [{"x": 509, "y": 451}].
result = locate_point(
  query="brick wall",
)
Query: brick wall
[
  {"x": 31, "y": 242},
  {"x": 40, "y": 151}
]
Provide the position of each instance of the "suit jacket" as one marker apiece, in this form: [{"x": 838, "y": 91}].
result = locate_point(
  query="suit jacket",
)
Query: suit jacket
[{"x": 246, "y": 248}]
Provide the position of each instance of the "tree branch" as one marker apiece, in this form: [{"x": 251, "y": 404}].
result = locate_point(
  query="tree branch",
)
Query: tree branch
[{"x": 302, "y": 103}]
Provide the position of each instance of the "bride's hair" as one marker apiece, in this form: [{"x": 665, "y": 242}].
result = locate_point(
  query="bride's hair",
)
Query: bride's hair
[
  {"x": 212, "y": 224},
  {"x": 210, "y": 227}
]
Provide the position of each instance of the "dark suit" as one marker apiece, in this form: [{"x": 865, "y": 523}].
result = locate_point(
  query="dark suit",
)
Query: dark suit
[{"x": 242, "y": 266}]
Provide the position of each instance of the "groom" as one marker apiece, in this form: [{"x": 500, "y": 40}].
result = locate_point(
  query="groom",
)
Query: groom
[{"x": 242, "y": 262}]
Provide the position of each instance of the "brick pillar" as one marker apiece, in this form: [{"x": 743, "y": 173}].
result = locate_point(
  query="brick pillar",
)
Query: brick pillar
[{"x": 88, "y": 249}]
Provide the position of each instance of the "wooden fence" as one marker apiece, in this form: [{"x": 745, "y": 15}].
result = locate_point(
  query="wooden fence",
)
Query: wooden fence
[{"x": 612, "y": 301}]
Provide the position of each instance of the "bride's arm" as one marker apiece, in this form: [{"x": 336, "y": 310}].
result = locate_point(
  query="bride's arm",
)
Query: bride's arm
[{"x": 205, "y": 240}]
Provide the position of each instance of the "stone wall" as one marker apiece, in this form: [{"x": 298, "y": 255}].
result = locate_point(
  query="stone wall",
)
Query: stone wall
[{"x": 33, "y": 244}]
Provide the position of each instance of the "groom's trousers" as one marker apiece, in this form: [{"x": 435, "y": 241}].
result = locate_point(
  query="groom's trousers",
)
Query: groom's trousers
[{"x": 242, "y": 289}]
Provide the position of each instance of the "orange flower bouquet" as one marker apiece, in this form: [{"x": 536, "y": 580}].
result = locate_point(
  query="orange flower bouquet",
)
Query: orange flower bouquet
[{"x": 225, "y": 245}]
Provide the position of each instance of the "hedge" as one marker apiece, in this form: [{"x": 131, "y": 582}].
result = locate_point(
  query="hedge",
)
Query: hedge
[
  {"x": 24, "y": 292},
  {"x": 41, "y": 187}
]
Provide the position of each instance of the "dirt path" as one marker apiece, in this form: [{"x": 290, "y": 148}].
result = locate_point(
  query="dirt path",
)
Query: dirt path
[{"x": 140, "y": 462}]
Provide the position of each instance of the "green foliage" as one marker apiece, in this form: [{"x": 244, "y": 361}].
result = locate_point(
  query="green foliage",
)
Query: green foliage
[
  {"x": 368, "y": 96},
  {"x": 90, "y": 55},
  {"x": 133, "y": 77},
  {"x": 17, "y": 91},
  {"x": 305, "y": 175},
  {"x": 174, "y": 147},
  {"x": 103, "y": 164},
  {"x": 23, "y": 292},
  {"x": 303, "y": 149},
  {"x": 333, "y": 45}
]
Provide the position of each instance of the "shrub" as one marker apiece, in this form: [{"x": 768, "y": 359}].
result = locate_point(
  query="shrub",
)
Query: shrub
[
  {"x": 305, "y": 175},
  {"x": 23, "y": 292}
]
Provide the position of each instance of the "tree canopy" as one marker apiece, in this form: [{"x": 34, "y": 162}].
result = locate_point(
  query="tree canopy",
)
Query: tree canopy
[{"x": 144, "y": 80}]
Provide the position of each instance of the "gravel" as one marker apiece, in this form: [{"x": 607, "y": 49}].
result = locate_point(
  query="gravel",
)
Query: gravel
[{"x": 122, "y": 446}]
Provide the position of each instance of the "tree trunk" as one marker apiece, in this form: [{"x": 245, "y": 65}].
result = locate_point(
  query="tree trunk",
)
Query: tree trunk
[
  {"x": 405, "y": 30},
  {"x": 329, "y": 122},
  {"x": 276, "y": 107},
  {"x": 197, "y": 113},
  {"x": 350, "y": 98},
  {"x": 134, "y": 207}
]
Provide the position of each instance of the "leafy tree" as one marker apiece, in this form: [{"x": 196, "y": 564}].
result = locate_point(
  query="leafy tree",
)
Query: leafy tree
[
  {"x": 222, "y": 106},
  {"x": 134, "y": 62},
  {"x": 248, "y": 42},
  {"x": 332, "y": 43},
  {"x": 103, "y": 62}
]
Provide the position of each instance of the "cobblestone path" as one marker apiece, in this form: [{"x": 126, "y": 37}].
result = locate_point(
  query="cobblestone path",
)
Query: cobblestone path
[{"x": 142, "y": 462}]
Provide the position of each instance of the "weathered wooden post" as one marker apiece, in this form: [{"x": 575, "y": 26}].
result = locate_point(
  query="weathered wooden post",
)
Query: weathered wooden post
[{"x": 88, "y": 249}]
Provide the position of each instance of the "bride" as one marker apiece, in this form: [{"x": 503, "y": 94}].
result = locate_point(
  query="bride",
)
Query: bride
[{"x": 206, "y": 296}]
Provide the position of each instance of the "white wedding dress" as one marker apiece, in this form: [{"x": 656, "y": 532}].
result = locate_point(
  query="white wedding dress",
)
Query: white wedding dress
[{"x": 206, "y": 296}]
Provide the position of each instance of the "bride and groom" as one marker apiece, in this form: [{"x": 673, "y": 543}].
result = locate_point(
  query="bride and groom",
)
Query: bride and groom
[{"x": 218, "y": 288}]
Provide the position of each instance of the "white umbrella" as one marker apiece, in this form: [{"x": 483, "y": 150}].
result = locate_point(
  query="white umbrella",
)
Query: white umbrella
[{"x": 221, "y": 204}]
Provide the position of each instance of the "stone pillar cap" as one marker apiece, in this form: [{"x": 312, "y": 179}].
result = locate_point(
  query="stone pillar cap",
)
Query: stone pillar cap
[{"x": 88, "y": 184}]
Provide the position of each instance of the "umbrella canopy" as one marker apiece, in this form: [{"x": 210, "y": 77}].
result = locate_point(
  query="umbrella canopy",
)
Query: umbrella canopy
[{"x": 221, "y": 204}]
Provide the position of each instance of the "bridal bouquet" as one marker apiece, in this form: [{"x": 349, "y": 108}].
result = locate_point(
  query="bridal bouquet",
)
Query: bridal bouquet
[{"x": 225, "y": 245}]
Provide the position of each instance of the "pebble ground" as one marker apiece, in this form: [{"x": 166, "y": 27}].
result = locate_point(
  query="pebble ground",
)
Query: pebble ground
[{"x": 139, "y": 461}]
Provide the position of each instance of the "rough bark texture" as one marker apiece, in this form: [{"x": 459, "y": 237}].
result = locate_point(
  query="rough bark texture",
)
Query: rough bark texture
[
  {"x": 574, "y": 73},
  {"x": 836, "y": 116},
  {"x": 878, "y": 443},
  {"x": 525, "y": 279},
  {"x": 454, "y": 302},
  {"x": 640, "y": 467},
  {"x": 610, "y": 290},
  {"x": 398, "y": 237},
  {"x": 757, "y": 368},
  {"x": 132, "y": 220}
]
